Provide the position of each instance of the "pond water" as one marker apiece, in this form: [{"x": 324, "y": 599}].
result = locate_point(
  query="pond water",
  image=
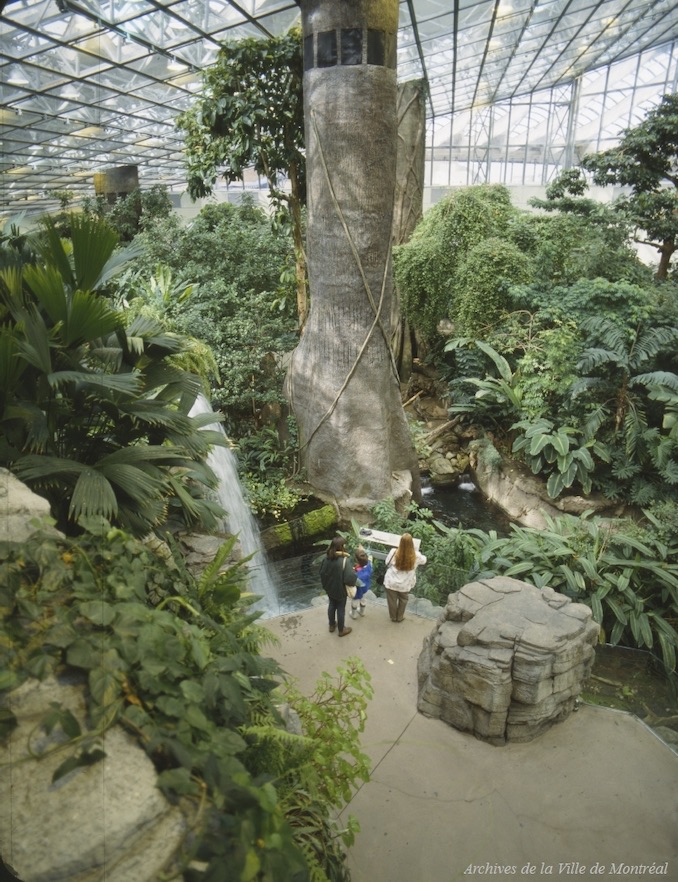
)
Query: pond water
[
  {"x": 466, "y": 508},
  {"x": 297, "y": 578}
]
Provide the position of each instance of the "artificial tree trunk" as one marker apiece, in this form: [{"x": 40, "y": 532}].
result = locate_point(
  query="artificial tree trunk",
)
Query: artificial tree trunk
[
  {"x": 342, "y": 383},
  {"x": 409, "y": 201}
]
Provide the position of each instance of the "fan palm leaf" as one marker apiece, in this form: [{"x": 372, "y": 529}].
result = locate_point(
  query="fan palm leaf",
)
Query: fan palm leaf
[
  {"x": 93, "y": 495},
  {"x": 104, "y": 384}
]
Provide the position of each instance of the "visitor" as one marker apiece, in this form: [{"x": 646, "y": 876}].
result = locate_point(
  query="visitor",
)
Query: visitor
[
  {"x": 401, "y": 576},
  {"x": 363, "y": 570},
  {"x": 336, "y": 572}
]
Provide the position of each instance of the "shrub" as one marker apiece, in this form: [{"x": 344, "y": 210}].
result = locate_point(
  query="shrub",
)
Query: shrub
[
  {"x": 426, "y": 265},
  {"x": 93, "y": 412},
  {"x": 482, "y": 282},
  {"x": 630, "y": 583},
  {"x": 176, "y": 662}
]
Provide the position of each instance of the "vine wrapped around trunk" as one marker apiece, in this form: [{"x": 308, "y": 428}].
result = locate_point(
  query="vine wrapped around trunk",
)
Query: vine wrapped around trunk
[{"x": 343, "y": 383}]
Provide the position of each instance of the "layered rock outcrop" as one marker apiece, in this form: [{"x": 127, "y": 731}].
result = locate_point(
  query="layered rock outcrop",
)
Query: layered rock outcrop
[{"x": 506, "y": 660}]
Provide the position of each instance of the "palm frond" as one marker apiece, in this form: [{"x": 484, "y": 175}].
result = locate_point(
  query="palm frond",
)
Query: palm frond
[
  {"x": 45, "y": 468},
  {"x": 129, "y": 384},
  {"x": 593, "y": 358},
  {"x": 657, "y": 381},
  {"x": 153, "y": 412},
  {"x": 94, "y": 241},
  {"x": 55, "y": 252},
  {"x": 35, "y": 347},
  {"x": 89, "y": 317},
  {"x": 606, "y": 332},
  {"x": 93, "y": 495},
  {"x": 154, "y": 334},
  {"x": 47, "y": 284},
  {"x": 650, "y": 342},
  {"x": 139, "y": 483}
]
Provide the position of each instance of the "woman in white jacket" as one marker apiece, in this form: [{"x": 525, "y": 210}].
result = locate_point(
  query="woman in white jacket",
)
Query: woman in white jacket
[{"x": 401, "y": 576}]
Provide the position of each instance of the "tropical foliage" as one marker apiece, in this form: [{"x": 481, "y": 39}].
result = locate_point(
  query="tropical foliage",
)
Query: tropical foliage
[
  {"x": 235, "y": 262},
  {"x": 425, "y": 267},
  {"x": 250, "y": 114},
  {"x": 645, "y": 160},
  {"x": 132, "y": 213},
  {"x": 627, "y": 574},
  {"x": 177, "y": 663},
  {"x": 94, "y": 414}
]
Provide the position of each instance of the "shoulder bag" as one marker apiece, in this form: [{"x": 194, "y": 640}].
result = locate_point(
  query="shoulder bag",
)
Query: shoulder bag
[{"x": 351, "y": 590}]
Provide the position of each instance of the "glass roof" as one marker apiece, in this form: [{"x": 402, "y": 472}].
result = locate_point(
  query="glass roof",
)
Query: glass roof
[{"x": 90, "y": 84}]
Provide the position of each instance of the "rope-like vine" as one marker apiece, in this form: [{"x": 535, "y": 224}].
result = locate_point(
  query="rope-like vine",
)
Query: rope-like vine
[{"x": 377, "y": 322}]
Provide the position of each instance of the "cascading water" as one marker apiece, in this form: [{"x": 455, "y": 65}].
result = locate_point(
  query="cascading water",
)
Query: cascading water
[{"x": 239, "y": 519}]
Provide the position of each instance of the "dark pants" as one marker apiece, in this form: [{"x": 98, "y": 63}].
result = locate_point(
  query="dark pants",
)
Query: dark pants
[{"x": 338, "y": 608}]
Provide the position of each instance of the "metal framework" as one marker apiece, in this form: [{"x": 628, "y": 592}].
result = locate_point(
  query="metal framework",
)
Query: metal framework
[{"x": 517, "y": 88}]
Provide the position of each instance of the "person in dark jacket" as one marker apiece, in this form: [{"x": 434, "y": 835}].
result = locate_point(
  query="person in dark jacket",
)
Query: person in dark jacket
[{"x": 336, "y": 572}]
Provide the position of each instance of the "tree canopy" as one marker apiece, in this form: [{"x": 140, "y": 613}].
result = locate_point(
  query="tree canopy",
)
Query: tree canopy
[
  {"x": 250, "y": 114},
  {"x": 646, "y": 160}
]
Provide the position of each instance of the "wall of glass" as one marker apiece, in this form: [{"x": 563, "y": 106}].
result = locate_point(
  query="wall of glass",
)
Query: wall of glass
[{"x": 527, "y": 140}]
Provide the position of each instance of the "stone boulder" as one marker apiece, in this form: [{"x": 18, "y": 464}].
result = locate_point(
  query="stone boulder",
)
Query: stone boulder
[
  {"x": 522, "y": 495},
  {"x": 21, "y": 510},
  {"x": 102, "y": 821},
  {"x": 506, "y": 660}
]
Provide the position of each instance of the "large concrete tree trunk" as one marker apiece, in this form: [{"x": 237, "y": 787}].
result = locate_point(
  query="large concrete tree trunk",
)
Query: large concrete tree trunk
[
  {"x": 409, "y": 201},
  {"x": 342, "y": 383}
]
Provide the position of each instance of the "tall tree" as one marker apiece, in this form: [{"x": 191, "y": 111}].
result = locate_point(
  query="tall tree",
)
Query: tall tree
[
  {"x": 646, "y": 160},
  {"x": 250, "y": 115},
  {"x": 343, "y": 383}
]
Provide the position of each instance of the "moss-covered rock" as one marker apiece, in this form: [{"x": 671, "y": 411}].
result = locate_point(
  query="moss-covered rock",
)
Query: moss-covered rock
[{"x": 300, "y": 530}]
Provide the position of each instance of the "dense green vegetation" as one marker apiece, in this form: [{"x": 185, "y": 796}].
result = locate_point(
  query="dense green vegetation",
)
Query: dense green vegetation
[
  {"x": 177, "y": 662},
  {"x": 93, "y": 411},
  {"x": 626, "y": 573},
  {"x": 563, "y": 355}
]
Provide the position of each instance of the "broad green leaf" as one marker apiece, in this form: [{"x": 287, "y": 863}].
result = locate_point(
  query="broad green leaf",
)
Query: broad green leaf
[
  {"x": 98, "y": 612},
  {"x": 105, "y": 684}
]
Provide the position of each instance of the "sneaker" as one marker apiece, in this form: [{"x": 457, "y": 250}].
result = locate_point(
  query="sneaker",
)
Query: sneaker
[
  {"x": 345, "y": 632},
  {"x": 362, "y": 609},
  {"x": 333, "y": 628}
]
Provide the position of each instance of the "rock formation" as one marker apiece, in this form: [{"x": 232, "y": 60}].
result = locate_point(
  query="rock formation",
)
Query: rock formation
[
  {"x": 506, "y": 660},
  {"x": 103, "y": 821}
]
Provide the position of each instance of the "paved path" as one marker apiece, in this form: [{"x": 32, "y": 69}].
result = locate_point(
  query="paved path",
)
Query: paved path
[{"x": 594, "y": 797}]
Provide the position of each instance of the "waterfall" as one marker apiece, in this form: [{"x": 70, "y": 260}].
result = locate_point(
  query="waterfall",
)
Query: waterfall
[{"x": 239, "y": 519}]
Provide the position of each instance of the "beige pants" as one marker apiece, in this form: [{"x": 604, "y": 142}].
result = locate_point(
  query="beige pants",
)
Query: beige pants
[{"x": 397, "y": 601}]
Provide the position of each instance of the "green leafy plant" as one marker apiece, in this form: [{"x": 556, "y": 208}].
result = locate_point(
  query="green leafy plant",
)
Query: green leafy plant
[
  {"x": 645, "y": 160},
  {"x": 328, "y": 774},
  {"x": 425, "y": 266},
  {"x": 94, "y": 414},
  {"x": 176, "y": 662},
  {"x": 629, "y": 581},
  {"x": 271, "y": 499},
  {"x": 496, "y": 398},
  {"x": 234, "y": 259},
  {"x": 559, "y": 453},
  {"x": 250, "y": 115},
  {"x": 482, "y": 283}
]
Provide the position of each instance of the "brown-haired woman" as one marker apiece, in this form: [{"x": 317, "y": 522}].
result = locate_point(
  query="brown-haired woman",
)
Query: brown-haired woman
[
  {"x": 336, "y": 572},
  {"x": 401, "y": 576}
]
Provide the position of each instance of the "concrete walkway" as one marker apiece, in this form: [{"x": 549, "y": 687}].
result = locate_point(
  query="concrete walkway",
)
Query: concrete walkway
[{"x": 594, "y": 797}]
